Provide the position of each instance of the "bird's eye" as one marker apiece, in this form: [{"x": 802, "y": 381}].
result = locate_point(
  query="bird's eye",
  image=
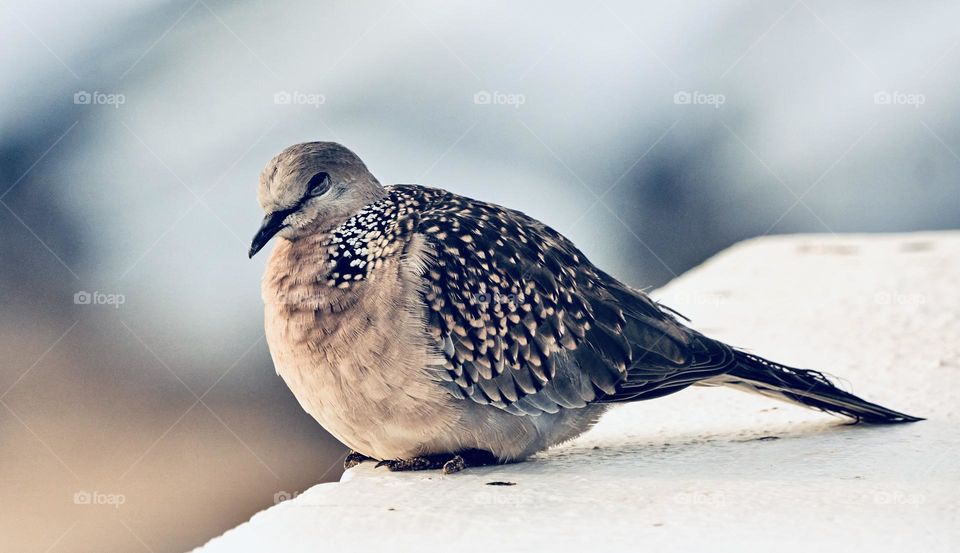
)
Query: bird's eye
[{"x": 318, "y": 184}]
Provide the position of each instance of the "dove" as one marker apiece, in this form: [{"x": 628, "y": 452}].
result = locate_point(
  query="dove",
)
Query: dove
[{"x": 428, "y": 330}]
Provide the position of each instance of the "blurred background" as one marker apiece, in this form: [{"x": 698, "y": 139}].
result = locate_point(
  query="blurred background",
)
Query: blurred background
[{"x": 139, "y": 409}]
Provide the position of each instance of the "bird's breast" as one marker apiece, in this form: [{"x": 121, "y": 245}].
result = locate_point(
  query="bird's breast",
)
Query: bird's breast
[{"x": 355, "y": 357}]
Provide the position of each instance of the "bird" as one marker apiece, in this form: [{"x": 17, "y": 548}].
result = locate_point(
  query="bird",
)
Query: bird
[{"x": 428, "y": 330}]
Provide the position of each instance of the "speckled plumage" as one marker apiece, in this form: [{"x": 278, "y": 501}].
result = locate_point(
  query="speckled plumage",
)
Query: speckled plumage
[
  {"x": 412, "y": 322},
  {"x": 508, "y": 299}
]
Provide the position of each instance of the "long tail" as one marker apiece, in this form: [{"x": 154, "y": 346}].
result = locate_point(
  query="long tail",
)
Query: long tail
[{"x": 806, "y": 387}]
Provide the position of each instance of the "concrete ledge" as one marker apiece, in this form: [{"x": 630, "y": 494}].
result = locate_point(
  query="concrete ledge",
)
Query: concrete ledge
[{"x": 714, "y": 469}]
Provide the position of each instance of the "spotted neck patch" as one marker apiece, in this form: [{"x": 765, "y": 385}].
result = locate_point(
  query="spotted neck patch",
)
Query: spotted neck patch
[{"x": 365, "y": 241}]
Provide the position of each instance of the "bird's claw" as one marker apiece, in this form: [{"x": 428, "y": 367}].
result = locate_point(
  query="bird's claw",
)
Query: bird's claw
[
  {"x": 353, "y": 459},
  {"x": 455, "y": 464},
  {"x": 448, "y": 463},
  {"x": 414, "y": 463}
]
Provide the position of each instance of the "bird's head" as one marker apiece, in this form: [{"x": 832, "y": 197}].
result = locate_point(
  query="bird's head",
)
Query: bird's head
[{"x": 311, "y": 187}]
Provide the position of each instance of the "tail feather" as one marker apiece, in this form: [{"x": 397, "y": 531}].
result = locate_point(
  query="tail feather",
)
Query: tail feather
[{"x": 806, "y": 387}]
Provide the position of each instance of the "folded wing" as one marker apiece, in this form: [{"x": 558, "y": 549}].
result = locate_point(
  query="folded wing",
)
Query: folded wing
[{"x": 527, "y": 324}]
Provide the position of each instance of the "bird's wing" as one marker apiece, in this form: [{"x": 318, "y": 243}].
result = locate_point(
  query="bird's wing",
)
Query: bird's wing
[{"x": 526, "y": 323}]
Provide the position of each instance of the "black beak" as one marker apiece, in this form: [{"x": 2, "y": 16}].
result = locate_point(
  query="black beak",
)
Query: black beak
[{"x": 271, "y": 225}]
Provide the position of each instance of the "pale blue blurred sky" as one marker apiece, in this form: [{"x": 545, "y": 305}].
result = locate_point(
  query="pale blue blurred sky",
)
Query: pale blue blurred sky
[{"x": 803, "y": 116}]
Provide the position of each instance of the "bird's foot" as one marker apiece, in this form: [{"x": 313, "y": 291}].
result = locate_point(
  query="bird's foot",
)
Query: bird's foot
[
  {"x": 353, "y": 459},
  {"x": 449, "y": 463}
]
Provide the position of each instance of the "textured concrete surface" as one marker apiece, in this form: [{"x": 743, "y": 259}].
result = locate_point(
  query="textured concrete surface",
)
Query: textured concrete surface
[{"x": 714, "y": 469}]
